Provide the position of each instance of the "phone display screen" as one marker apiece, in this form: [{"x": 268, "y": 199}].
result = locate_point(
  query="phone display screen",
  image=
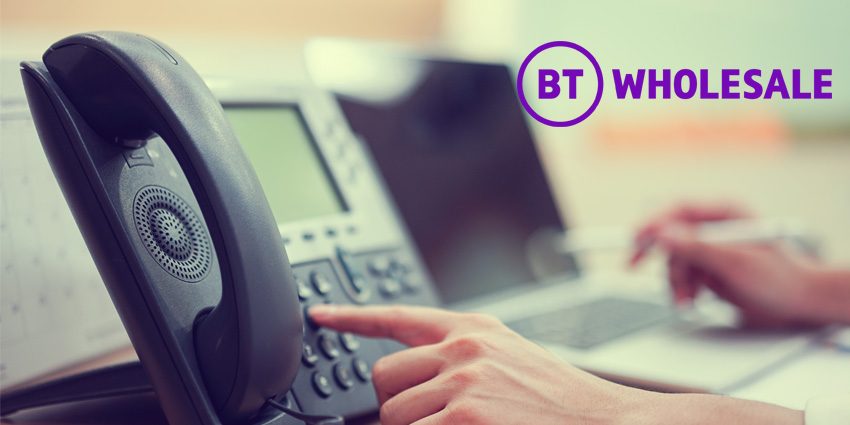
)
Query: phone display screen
[{"x": 293, "y": 175}]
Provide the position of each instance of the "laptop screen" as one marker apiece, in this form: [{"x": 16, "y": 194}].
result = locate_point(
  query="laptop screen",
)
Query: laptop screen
[{"x": 458, "y": 157}]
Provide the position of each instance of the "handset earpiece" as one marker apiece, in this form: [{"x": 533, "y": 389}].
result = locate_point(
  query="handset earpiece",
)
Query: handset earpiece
[{"x": 129, "y": 88}]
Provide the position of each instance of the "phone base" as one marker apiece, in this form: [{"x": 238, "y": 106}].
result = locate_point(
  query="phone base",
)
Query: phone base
[{"x": 116, "y": 380}]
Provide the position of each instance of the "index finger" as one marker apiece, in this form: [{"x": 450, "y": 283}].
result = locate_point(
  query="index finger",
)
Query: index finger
[
  {"x": 647, "y": 235},
  {"x": 644, "y": 241},
  {"x": 410, "y": 325},
  {"x": 693, "y": 213}
]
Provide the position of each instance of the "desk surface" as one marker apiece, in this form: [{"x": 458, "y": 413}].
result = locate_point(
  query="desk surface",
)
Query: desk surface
[{"x": 819, "y": 372}]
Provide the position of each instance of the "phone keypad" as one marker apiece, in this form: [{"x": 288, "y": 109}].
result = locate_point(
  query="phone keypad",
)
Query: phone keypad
[
  {"x": 336, "y": 373},
  {"x": 394, "y": 277},
  {"x": 330, "y": 380}
]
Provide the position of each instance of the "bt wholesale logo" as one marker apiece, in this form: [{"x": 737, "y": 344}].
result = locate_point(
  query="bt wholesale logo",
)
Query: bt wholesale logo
[{"x": 560, "y": 84}]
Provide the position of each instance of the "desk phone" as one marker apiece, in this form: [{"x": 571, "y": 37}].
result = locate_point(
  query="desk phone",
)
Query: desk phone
[{"x": 212, "y": 261}]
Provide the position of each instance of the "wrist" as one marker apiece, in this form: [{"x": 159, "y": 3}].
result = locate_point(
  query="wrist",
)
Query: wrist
[
  {"x": 638, "y": 407},
  {"x": 698, "y": 409}
]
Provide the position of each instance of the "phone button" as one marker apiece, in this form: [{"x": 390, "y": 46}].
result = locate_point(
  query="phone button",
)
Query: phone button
[
  {"x": 328, "y": 346},
  {"x": 411, "y": 283},
  {"x": 321, "y": 283},
  {"x": 389, "y": 287},
  {"x": 304, "y": 291},
  {"x": 322, "y": 385},
  {"x": 398, "y": 269},
  {"x": 361, "y": 369},
  {"x": 309, "y": 356},
  {"x": 380, "y": 266},
  {"x": 349, "y": 342},
  {"x": 137, "y": 156},
  {"x": 343, "y": 376},
  {"x": 357, "y": 287}
]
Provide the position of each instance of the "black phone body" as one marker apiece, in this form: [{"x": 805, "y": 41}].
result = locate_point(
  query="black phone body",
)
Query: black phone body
[{"x": 188, "y": 246}]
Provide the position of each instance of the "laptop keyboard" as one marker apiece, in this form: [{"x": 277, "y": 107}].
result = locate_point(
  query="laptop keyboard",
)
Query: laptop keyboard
[{"x": 588, "y": 325}]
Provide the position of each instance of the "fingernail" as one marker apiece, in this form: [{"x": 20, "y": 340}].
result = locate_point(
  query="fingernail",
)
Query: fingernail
[{"x": 320, "y": 311}]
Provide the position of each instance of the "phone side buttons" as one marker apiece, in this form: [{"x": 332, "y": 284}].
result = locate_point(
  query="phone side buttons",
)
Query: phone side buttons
[{"x": 308, "y": 355}]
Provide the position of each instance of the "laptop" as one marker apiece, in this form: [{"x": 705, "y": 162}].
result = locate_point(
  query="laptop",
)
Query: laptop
[{"x": 456, "y": 153}]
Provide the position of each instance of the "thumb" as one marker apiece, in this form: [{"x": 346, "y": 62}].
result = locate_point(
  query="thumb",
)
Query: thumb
[{"x": 682, "y": 242}]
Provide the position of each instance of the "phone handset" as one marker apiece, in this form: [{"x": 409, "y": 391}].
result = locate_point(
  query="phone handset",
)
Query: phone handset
[{"x": 129, "y": 88}]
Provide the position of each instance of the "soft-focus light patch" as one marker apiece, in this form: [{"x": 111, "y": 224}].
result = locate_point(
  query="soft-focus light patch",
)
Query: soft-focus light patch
[
  {"x": 351, "y": 68},
  {"x": 686, "y": 133}
]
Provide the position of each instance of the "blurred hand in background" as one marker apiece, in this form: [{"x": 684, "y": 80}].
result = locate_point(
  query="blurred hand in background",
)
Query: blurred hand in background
[{"x": 771, "y": 284}]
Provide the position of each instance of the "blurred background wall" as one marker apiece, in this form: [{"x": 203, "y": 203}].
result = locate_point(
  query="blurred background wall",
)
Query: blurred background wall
[{"x": 631, "y": 158}]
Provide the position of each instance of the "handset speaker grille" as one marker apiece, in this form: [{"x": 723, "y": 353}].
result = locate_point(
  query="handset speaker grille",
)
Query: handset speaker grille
[{"x": 172, "y": 233}]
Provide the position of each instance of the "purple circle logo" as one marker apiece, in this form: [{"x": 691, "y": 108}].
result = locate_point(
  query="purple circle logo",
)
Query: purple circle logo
[{"x": 549, "y": 95}]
